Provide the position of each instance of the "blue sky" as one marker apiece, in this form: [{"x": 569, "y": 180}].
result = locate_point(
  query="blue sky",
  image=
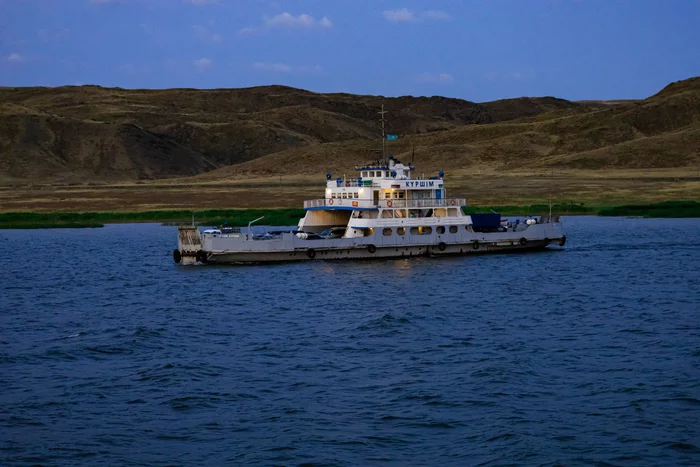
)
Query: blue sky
[{"x": 478, "y": 50}]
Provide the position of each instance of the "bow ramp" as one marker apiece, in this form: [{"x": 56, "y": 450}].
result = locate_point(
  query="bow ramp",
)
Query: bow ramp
[{"x": 189, "y": 245}]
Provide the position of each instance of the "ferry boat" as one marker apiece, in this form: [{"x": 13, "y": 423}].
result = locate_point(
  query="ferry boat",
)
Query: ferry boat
[{"x": 384, "y": 212}]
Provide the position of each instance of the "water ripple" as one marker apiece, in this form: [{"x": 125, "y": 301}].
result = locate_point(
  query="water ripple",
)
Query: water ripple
[{"x": 112, "y": 355}]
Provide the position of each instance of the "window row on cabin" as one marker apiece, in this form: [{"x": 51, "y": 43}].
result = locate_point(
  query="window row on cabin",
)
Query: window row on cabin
[
  {"x": 387, "y": 232},
  {"x": 375, "y": 173},
  {"x": 345, "y": 195}
]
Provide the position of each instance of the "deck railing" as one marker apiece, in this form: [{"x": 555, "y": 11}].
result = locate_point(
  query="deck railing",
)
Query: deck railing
[
  {"x": 422, "y": 203},
  {"x": 387, "y": 203}
]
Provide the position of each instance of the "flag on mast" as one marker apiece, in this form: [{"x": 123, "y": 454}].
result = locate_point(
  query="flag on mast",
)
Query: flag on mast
[{"x": 392, "y": 137}]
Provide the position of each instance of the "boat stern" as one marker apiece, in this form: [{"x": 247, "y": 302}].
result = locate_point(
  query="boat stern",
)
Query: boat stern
[{"x": 189, "y": 245}]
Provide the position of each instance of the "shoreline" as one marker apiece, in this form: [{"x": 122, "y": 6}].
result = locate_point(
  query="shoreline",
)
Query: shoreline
[{"x": 291, "y": 216}]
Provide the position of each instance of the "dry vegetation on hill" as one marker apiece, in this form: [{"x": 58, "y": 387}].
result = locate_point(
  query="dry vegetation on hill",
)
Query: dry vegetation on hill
[{"x": 180, "y": 137}]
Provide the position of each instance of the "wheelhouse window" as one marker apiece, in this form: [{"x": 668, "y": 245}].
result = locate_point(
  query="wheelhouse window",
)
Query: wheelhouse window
[
  {"x": 333, "y": 195},
  {"x": 357, "y": 195}
]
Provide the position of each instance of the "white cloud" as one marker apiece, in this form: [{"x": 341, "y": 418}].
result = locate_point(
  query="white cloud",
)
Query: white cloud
[
  {"x": 402, "y": 15},
  {"x": 302, "y": 21},
  {"x": 284, "y": 68},
  {"x": 527, "y": 74},
  {"x": 15, "y": 57},
  {"x": 277, "y": 67},
  {"x": 437, "y": 15},
  {"x": 202, "y": 64},
  {"x": 436, "y": 78},
  {"x": 288, "y": 20},
  {"x": 128, "y": 68},
  {"x": 205, "y": 34},
  {"x": 201, "y": 2},
  {"x": 246, "y": 31}
]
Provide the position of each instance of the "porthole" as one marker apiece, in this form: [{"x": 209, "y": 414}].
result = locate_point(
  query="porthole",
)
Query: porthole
[{"x": 453, "y": 229}]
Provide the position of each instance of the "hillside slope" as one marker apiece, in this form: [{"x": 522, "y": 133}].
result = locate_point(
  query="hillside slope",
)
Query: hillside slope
[
  {"x": 89, "y": 133},
  {"x": 662, "y": 131}
]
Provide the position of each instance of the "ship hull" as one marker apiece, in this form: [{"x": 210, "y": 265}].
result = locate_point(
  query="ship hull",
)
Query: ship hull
[
  {"x": 238, "y": 249},
  {"x": 362, "y": 253}
]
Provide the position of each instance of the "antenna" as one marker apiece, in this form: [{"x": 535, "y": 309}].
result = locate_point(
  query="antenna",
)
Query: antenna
[{"x": 383, "y": 135}]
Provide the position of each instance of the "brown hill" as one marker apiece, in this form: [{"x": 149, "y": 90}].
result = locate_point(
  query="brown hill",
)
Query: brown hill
[
  {"x": 90, "y": 133},
  {"x": 662, "y": 131}
]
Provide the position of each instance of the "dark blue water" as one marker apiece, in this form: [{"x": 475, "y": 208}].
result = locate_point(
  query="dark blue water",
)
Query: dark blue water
[{"x": 110, "y": 354}]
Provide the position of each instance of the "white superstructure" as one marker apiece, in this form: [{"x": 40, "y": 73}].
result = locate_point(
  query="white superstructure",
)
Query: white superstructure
[{"x": 383, "y": 212}]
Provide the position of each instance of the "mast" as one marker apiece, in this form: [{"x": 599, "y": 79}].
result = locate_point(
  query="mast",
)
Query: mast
[
  {"x": 551, "y": 183},
  {"x": 383, "y": 135}
]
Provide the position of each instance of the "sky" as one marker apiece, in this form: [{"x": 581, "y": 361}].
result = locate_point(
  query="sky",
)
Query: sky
[{"x": 479, "y": 50}]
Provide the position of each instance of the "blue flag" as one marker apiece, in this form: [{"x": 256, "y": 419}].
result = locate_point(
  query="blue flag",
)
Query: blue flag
[{"x": 392, "y": 137}]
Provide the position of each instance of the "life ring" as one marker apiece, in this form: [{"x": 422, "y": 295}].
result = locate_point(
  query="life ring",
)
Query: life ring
[
  {"x": 475, "y": 245},
  {"x": 347, "y": 183},
  {"x": 562, "y": 242},
  {"x": 442, "y": 246},
  {"x": 372, "y": 249},
  {"x": 452, "y": 202},
  {"x": 523, "y": 241},
  {"x": 330, "y": 201},
  {"x": 311, "y": 253},
  {"x": 389, "y": 204},
  {"x": 177, "y": 256}
]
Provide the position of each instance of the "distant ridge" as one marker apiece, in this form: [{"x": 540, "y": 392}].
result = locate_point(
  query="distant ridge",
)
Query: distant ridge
[{"x": 90, "y": 133}]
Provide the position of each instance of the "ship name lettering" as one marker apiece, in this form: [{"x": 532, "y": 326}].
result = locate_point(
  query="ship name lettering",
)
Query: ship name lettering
[{"x": 422, "y": 184}]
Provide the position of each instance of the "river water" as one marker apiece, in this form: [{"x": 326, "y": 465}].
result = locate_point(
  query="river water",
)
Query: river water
[{"x": 110, "y": 354}]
